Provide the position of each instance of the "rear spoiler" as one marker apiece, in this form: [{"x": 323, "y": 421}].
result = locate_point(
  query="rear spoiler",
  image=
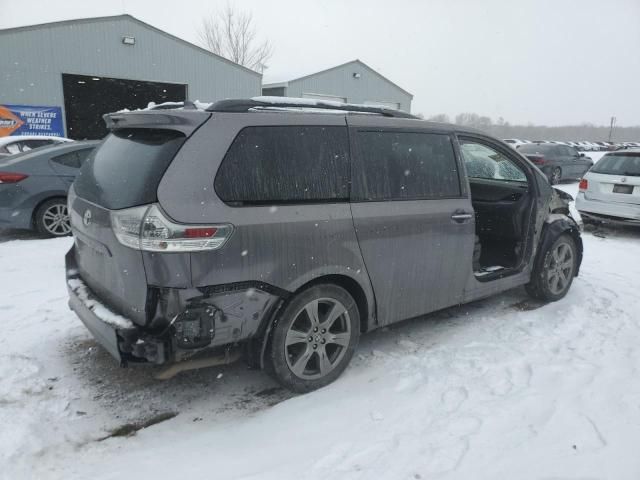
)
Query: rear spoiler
[{"x": 183, "y": 121}]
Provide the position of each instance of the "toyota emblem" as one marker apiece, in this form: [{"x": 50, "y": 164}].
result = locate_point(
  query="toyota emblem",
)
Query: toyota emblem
[{"x": 86, "y": 218}]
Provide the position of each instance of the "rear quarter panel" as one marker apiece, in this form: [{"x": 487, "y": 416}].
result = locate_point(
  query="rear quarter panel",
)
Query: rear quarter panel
[{"x": 283, "y": 245}]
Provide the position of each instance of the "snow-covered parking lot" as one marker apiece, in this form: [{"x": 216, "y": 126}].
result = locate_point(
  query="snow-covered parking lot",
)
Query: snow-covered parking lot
[{"x": 500, "y": 389}]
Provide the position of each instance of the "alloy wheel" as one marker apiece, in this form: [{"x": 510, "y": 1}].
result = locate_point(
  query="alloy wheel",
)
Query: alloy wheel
[
  {"x": 318, "y": 338},
  {"x": 560, "y": 269},
  {"x": 56, "y": 220}
]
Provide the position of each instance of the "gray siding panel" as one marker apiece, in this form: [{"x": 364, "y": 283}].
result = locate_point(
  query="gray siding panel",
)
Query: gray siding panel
[
  {"x": 34, "y": 59},
  {"x": 341, "y": 83}
]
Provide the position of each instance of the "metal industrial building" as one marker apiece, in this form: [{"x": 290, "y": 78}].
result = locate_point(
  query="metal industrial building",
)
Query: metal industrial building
[
  {"x": 352, "y": 82},
  {"x": 85, "y": 68}
]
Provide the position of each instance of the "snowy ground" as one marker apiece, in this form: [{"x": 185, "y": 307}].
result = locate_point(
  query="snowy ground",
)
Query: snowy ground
[{"x": 498, "y": 389}]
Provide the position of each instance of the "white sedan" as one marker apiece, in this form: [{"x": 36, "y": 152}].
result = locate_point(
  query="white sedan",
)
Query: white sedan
[
  {"x": 610, "y": 191},
  {"x": 514, "y": 142}
]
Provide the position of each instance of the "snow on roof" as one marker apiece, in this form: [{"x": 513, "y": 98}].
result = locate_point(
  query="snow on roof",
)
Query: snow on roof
[
  {"x": 168, "y": 106},
  {"x": 313, "y": 105},
  {"x": 312, "y": 102}
]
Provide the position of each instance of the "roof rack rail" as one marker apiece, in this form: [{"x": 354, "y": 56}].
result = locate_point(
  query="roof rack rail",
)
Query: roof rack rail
[{"x": 245, "y": 105}]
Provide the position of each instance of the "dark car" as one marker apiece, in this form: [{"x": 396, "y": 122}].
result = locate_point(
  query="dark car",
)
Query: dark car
[
  {"x": 557, "y": 162},
  {"x": 34, "y": 185},
  {"x": 286, "y": 230}
]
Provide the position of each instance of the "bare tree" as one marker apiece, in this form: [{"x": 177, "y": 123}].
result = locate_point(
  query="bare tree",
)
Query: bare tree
[
  {"x": 440, "y": 117},
  {"x": 230, "y": 33}
]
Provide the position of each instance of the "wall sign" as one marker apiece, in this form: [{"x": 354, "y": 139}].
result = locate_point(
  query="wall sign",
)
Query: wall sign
[{"x": 29, "y": 120}]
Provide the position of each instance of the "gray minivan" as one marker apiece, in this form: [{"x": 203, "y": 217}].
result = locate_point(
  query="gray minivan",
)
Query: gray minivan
[{"x": 283, "y": 231}]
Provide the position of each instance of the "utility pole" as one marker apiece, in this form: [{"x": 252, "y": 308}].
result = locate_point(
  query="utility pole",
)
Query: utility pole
[{"x": 611, "y": 127}]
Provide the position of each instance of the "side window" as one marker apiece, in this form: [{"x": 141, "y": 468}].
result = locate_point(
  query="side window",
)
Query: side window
[
  {"x": 482, "y": 161},
  {"x": 393, "y": 165},
  {"x": 70, "y": 159},
  {"x": 31, "y": 144},
  {"x": 285, "y": 164},
  {"x": 14, "y": 147}
]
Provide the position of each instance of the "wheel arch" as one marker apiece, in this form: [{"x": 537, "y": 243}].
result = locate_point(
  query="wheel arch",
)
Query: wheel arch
[
  {"x": 353, "y": 288},
  {"x": 554, "y": 226},
  {"x": 365, "y": 304}
]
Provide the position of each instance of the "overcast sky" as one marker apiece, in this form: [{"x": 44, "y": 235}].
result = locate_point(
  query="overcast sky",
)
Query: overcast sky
[{"x": 542, "y": 61}]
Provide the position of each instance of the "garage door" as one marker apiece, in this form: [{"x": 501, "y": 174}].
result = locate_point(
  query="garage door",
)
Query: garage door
[
  {"x": 321, "y": 96},
  {"x": 87, "y": 98},
  {"x": 394, "y": 105}
]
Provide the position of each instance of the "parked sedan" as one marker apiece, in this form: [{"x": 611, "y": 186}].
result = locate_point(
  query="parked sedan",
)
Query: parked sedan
[
  {"x": 34, "y": 186},
  {"x": 557, "y": 162},
  {"x": 610, "y": 191},
  {"x": 514, "y": 142},
  {"x": 25, "y": 143}
]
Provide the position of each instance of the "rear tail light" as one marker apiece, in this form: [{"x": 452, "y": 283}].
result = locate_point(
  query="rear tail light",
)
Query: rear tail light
[
  {"x": 537, "y": 159},
  {"x": 12, "y": 177},
  {"x": 147, "y": 228},
  {"x": 584, "y": 184}
]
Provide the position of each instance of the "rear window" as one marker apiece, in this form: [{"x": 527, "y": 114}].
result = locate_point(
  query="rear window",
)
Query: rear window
[
  {"x": 619, "y": 164},
  {"x": 285, "y": 164},
  {"x": 125, "y": 170},
  {"x": 537, "y": 148}
]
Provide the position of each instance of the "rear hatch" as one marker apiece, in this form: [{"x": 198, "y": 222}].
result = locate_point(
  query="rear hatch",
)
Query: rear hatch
[
  {"x": 615, "y": 178},
  {"x": 123, "y": 172}
]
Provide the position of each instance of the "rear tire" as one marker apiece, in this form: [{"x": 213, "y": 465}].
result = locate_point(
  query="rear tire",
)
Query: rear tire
[
  {"x": 556, "y": 176},
  {"x": 553, "y": 274},
  {"x": 314, "y": 338},
  {"x": 52, "y": 218}
]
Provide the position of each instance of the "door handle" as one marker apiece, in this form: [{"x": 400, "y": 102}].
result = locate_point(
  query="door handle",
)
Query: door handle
[{"x": 461, "y": 217}]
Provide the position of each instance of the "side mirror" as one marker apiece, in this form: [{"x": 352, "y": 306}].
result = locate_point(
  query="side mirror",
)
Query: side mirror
[{"x": 581, "y": 155}]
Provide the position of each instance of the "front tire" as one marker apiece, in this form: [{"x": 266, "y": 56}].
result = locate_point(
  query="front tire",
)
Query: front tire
[
  {"x": 52, "y": 218},
  {"x": 314, "y": 338},
  {"x": 553, "y": 274}
]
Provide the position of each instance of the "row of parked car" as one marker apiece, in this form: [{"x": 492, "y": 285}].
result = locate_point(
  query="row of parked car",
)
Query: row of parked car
[{"x": 582, "y": 146}]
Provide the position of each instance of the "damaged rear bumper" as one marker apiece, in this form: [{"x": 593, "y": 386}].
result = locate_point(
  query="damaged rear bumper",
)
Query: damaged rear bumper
[
  {"x": 119, "y": 336},
  {"x": 181, "y": 324}
]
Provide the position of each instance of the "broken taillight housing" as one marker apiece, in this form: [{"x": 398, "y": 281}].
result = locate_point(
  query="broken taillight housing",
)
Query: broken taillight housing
[
  {"x": 147, "y": 228},
  {"x": 583, "y": 185}
]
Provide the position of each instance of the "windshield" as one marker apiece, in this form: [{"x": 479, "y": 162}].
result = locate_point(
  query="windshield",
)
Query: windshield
[
  {"x": 125, "y": 170},
  {"x": 619, "y": 164}
]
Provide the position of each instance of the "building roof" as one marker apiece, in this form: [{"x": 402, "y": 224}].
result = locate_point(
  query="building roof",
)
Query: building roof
[
  {"x": 134, "y": 19},
  {"x": 356, "y": 61}
]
